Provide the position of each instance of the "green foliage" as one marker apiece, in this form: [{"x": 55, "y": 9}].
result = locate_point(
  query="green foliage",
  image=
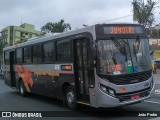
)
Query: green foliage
[
  {"x": 144, "y": 13},
  {"x": 159, "y": 34},
  {"x": 154, "y": 33},
  {"x": 60, "y": 26}
]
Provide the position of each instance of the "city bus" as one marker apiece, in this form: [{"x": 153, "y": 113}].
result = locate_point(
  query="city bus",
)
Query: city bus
[{"x": 103, "y": 65}]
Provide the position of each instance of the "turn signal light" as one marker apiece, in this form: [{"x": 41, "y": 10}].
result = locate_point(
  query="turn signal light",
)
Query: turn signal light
[{"x": 122, "y": 89}]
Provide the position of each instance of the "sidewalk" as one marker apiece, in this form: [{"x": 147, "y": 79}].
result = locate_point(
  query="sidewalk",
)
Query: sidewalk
[{"x": 156, "y": 77}]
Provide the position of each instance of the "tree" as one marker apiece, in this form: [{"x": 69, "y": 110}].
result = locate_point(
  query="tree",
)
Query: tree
[
  {"x": 60, "y": 26},
  {"x": 144, "y": 13},
  {"x": 154, "y": 33},
  {"x": 159, "y": 33}
]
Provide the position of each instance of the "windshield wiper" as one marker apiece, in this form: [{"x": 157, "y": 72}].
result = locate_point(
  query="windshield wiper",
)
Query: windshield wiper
[{"x": 119, "y": 46}]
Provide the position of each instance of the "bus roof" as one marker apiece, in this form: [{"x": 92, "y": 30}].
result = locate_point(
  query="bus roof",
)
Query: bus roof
[
  {"x": 44, "y": 38},
  {"x": 90, "y": 29}
]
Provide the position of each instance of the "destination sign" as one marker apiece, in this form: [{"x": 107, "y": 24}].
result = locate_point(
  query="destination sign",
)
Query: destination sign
[{"x": 123, "y": 30}]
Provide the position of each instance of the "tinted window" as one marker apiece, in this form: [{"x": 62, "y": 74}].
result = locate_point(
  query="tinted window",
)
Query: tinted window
[
  {"x": 37, "y": 54},
  {"x": 27, "y": 55},
  {"x": 64, "y": 51},
  {"x": 19, "y": 55},
  {"x": 48, "y": 52},
  {"x": 6, "y": 59},
  {"x": 34, "y": 56}
]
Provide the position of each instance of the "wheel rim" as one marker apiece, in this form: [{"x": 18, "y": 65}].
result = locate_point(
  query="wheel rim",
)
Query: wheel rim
[{"x": 70, "y": 97}]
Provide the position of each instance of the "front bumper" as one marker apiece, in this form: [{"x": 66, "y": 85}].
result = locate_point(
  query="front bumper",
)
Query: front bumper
[{"x": 105, "y": 100}]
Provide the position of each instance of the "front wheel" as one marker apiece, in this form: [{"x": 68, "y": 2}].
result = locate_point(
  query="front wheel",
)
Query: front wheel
[
  {"x": 70, "y": 98},
  {"x": 22, "y": 89}
]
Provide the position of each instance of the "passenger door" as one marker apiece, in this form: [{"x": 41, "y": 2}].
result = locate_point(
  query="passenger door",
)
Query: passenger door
[
  {"x": 81, "y": 68},
  {"x": 12, "y": 70}
]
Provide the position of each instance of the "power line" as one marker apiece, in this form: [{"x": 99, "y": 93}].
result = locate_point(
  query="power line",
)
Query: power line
[
  {"x": 112, "y": 19},
  {"x": 115, "y": 18},
  {"x": 109, "y": 20},
  {"x": 120, "y": 17}
]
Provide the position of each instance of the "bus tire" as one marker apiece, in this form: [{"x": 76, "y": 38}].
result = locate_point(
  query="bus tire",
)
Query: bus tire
[
  {"x": 22, "y": 89},
  {"x": 70, "y": 98}
]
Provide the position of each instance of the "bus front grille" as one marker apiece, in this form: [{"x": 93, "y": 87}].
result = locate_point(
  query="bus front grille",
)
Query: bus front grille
[
  {"x": 128, "y": 96},
  {"x": 130, "y": 78}
]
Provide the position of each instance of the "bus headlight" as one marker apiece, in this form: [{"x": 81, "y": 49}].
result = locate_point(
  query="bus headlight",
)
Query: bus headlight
[
  {"x": 111, "y": 91},
  {"x": 107, "y": 90},
  {"x": 104, "y": 89}
]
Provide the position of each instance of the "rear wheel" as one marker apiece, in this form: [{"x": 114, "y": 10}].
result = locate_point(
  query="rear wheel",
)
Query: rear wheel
[
  {"x": 70, "y": 98},
  {"x": 22, "y": 89}
]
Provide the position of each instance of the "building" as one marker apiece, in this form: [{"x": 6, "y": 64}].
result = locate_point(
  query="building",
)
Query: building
[
  {"x": 157, "y": 27},
  {"x": 11, "y": 35}
]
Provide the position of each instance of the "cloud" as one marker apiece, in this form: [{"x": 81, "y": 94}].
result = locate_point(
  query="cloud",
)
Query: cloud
[{"x": 75, "y": 12}]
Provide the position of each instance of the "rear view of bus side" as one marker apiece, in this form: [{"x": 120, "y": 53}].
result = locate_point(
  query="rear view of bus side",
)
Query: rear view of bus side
[{"x": 104, "y": 65}]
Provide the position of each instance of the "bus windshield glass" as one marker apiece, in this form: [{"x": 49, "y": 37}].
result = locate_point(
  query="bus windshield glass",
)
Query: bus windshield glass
[{"x": 123, "y": 56}]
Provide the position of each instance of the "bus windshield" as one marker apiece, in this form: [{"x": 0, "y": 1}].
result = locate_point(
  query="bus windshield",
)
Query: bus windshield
[{"x": 123, "y": 56}]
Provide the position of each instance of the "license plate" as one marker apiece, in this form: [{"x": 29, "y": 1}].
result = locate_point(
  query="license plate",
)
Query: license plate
[{"x": 136, "y": 96}]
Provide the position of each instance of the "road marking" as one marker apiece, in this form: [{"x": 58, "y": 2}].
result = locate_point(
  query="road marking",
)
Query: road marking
[
  {"x": 157, "y": 118},
  {"x": 152, "y": 102},
  {"x": 157, "y": 91}
]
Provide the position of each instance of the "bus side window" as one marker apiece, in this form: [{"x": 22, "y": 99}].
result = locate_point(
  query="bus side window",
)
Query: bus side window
[
  {"x": 48, "y": 52},
  {"x": 27, "y": 55},
  {"x": 37, "y": 54},
  {"x": 6, "y": 58},
  {"x": 64, "y": 51},
  {"x": 19, "y": 56},
  {"x": 34, "y": 58}
]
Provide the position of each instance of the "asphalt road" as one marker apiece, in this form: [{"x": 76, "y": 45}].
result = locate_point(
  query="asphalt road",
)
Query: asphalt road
[{"x": 10, "y": 100}]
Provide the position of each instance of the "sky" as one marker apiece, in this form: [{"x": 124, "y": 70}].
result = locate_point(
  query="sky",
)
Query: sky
[{"x": 75, "y": 12}]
